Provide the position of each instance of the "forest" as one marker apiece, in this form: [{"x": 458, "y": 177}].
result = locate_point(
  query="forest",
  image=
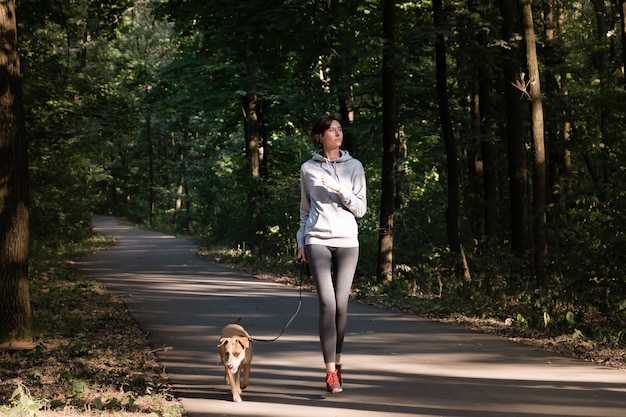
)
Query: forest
[{"x": 491, "y": 133}]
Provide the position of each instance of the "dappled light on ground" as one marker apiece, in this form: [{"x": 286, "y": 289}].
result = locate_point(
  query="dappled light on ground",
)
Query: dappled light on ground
[{"x": 395, "y": 365}]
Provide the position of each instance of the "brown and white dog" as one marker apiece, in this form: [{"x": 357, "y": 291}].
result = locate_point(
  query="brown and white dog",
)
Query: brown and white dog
[{"x": 235, "y": 351}]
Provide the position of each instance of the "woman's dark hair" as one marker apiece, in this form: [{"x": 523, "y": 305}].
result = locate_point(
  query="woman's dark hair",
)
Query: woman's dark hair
[{"x": 321, "y": 125}]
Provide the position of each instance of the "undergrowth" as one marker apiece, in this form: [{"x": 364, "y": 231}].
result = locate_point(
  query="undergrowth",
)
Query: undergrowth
[
  {"x": 89, "y": 357},
  {"x": 496, "y": 306}
]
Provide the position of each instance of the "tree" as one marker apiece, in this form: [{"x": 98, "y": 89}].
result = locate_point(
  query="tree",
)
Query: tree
[
  {"x": 622, "y": 15},
  {"x": 385, "y": 240},
  {"x": 556, "y": 129},
  {"x": 518, "y": 171},
  {"x": 539, "y": 152},
  {"x": 452, "y": 159},
  {"x": 15, "y": 313},
  {"x": 140, "y": 116},
  {"x": 484, "y": 117}
]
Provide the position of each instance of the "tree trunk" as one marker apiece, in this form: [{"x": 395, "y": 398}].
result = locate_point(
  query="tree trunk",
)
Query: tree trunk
[
  {"x": 567, "y": 109},
  {"x": 516, "y": 146},
  {"x": 539, "y": 151},
  {"x": 250, "y": 108},
  {"x": 15, "y": 312},
  {"x": 152, "y": 197},
  {"x": 452, "y": 160},
  {"x": 602, "y": 60},
  {"x": 385, "y": 240},
  {"x": 622, "y": 18},
  {"x": 401, "y": 156},
  {"x": 182, "y": 177},
  {"x": 490, "y": 180},
  {"x": 252, "y": 112},
  {"x": 558, "y": 126},
  {"x": 553, "y": 125},
  {"x": 346, "y": 110},
  {"x": 344, "y": 70}
]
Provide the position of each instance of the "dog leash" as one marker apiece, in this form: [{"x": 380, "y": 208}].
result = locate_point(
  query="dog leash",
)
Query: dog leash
[{"x": 303, "y": 266}]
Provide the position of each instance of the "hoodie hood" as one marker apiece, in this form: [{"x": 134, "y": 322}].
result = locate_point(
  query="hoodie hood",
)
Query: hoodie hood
[{"x": 319, "y": 156}]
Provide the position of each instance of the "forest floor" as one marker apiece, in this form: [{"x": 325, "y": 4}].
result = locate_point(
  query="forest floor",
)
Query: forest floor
[
  {"x": 88, "y": 357},
  {"x": 105, "y": 365}
]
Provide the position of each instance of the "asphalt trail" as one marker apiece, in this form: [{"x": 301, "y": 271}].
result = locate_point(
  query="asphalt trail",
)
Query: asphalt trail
[{"x": 395, "y": 364}]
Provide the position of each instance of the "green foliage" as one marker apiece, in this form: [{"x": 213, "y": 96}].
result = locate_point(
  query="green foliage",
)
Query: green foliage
[
  {"x": 136, "y": 111},
  {"x": 22, "y": 404}
]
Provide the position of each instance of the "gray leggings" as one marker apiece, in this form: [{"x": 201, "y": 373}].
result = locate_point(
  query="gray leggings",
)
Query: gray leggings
[{"x": 333, "y": 271}]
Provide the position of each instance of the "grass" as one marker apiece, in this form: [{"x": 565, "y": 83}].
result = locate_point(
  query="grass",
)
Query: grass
[{"x": 89, "y": 357}]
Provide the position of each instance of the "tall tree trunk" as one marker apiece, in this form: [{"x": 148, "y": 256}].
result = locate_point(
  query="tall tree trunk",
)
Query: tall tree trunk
[
  {"x": 346, "y": 110},
  {"x": 251, "y": 108},
  {"x": 15, "y": 312},
  {"x": 567, "y": 112},
  {"x": 344, "y": 70},
  {"x": 622, "y": 18},
  {"x": 490, "y": 180},
  {"x": 254, "y": 152},
  {"x": 183, "y": 149},
  {"x": 385, "y": 240},
  {"x": 452, "y": 160},
  {"x": 401, "y": 157},
  {"x": 516, "y": 146},
  {"x": 552, "y": 91},
  {"x": 539, "y": 151},
  {"x": 558, "y": 127},
  {"x": 601, "y": 59},
  {"x": 152, "y": 197}
]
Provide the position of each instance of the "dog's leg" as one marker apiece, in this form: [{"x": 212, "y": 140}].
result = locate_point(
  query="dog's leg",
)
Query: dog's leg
[
  {"x": 236, "y": 388},
  {"x": 233, "y": 381},
  {"x": 245, "y": 370}
]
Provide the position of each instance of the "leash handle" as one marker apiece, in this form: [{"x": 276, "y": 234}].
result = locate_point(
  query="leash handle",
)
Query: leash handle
[{"x": 302, "y": 267}]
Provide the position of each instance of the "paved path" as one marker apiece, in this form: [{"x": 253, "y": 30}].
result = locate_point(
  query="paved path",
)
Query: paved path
[{"x": 395, "y": 364}]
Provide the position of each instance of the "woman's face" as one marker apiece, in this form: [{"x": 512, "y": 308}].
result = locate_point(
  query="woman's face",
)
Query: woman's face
[{"x": 333, "y": 136}]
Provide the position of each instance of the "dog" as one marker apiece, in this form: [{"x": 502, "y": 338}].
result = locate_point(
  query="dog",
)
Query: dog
[{"x": 235, "y": 349}]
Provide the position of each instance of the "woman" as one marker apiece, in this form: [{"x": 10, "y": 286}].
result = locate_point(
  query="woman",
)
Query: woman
[{"x": 333, "y": 195}]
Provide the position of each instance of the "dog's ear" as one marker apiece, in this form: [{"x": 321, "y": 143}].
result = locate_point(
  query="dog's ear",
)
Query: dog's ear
[
  {"x": 244, "y": 341},
  {"x": 223, "y": 341}
]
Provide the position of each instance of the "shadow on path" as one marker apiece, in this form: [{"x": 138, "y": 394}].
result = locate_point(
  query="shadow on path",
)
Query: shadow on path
[{"x": 396, "y": 365}]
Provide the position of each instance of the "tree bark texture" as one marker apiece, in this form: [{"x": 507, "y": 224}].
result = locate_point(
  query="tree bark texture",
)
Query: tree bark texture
[
  {"x": 250, "y": 108},
  {"x": 539, "y": 151},
  {"x": 601, "y": 60},
  {"x": 514, "y": 92},
  {"x": 181, "y": 188},
  {"x": 452, "y": 160},
  {"x": 553, "y": 125},
  {"x": 622, "y": 18},
  {"x": 490, "y": 180},
  {"x": 151, "y": 178},
  {"x": 15, "y": 312},
  {"x": 385, "y": 240}
]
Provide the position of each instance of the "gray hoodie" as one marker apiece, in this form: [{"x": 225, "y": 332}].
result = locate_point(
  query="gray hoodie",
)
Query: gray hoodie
[{"x": 328, "y": 217}]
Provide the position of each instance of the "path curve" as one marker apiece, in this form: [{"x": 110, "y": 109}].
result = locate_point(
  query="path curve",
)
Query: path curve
[{"x": 395, "y": 364}]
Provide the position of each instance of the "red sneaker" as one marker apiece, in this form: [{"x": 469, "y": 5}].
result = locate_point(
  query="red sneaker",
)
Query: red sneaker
[{"x": 332, "y": 383}]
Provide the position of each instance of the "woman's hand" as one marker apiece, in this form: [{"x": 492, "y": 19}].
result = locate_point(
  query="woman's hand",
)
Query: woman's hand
[
  {"x": 331, "y": 183},
  {"x": 301, "y": 255}
]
